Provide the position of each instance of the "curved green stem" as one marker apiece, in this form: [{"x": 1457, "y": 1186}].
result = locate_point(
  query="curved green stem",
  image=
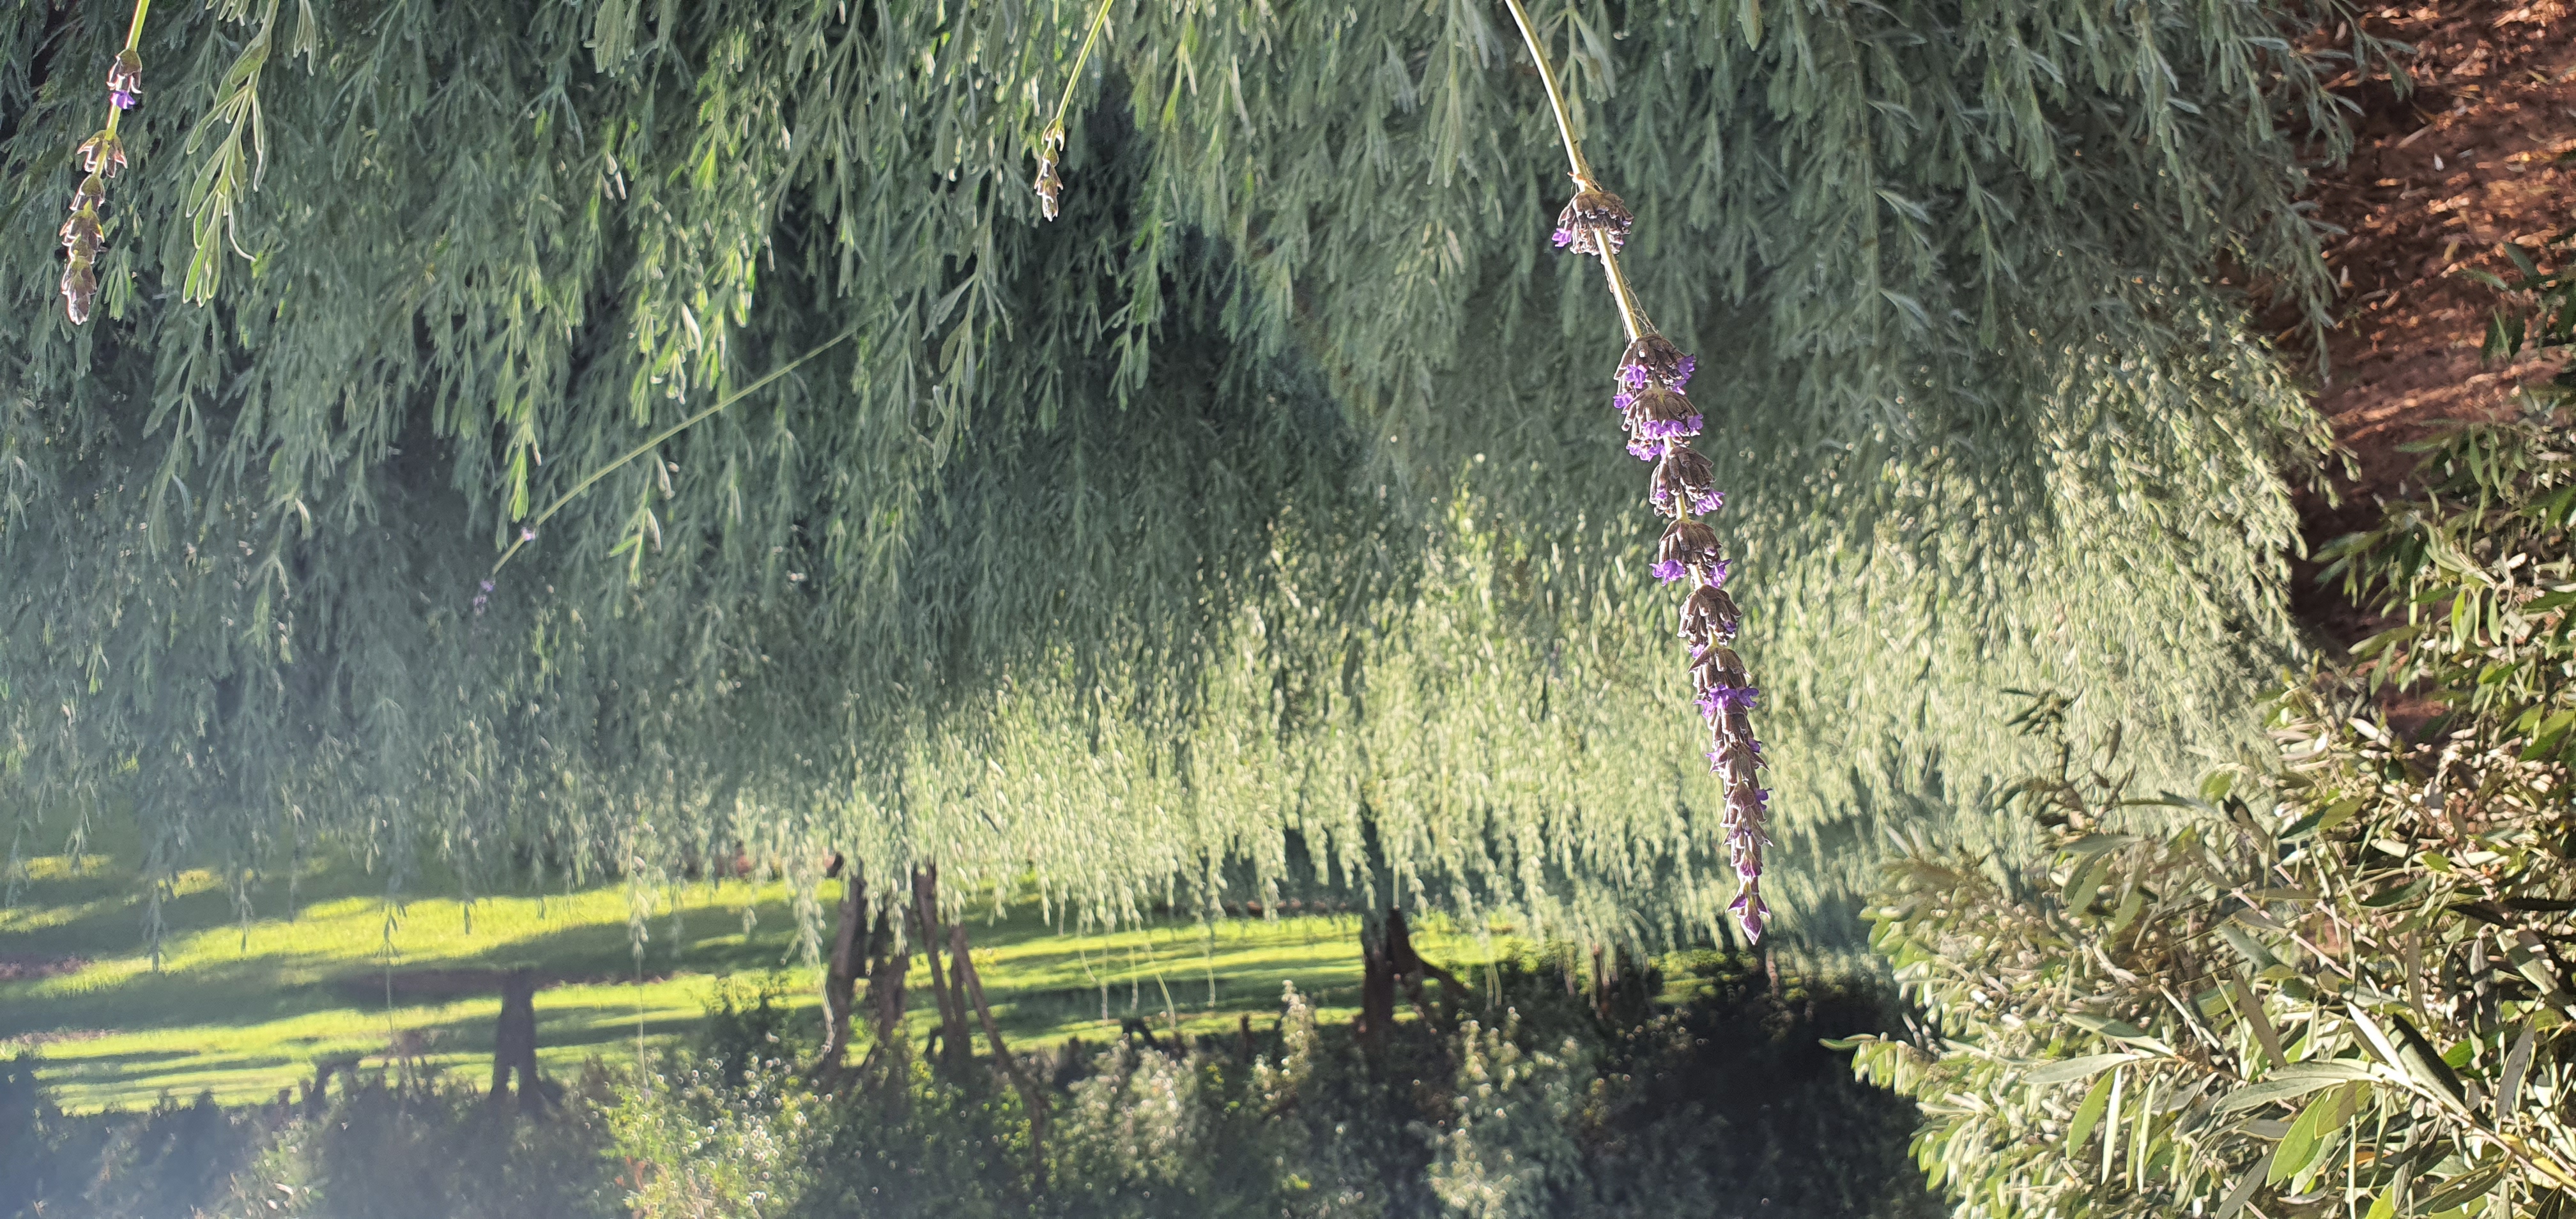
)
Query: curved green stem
[
  {"x": 1630, "y": 316},
  {"x": 1555, "y": 97},
  {"x": 1099, "y": 18},
  {"x": 529, "y": 531},
  {"x": 133, "y": 40}
]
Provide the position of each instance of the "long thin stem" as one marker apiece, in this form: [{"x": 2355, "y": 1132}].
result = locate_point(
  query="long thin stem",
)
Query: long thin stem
[
  {"x": 658, "y": 437},
  {"x": 1099, "y": 18},
  {"x": 1630, "y": 316},
  {"x": 1555, "y": 97},
  {"x": 133, "y": 39}
]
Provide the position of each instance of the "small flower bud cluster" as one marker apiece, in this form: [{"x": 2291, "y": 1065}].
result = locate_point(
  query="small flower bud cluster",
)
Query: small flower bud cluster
[
  {"x": 1050, "y": 187},
  {"x": 101, "y": 156},
  {"x": 1592, "y": 219},
  {"x": 1659, "y": 420}
]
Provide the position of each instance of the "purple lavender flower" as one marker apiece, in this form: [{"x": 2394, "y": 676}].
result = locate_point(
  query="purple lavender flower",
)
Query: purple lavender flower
[
  {"x": 1593, "y": 216},
  {"x": 1733, "y": 758},
  {"x": 1708, "y": 616},
  {"x": 1660, "y": 413},
  {"x": 482, "y": 598},
  {"x": 1653, "y": 360},
  {"x": 80, "y": 237},
  {"x": 1668, "y": 570},
  {"x": 1681, "y": 480},
  {"x": 1718, "y": 700}
]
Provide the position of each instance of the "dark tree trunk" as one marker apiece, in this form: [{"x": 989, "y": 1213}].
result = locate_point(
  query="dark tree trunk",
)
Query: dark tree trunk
[
  {"x": 514, "y": 1040},
  {"x": 1377, "y": 991},
  {"x": 885, "y": 992},
  {"x": 972, "y": 988},
  {"x": 1387, "y": 961},
  {"x": 841, "y": 978},
  {"x": 1414, "y": 971},
  {"x": 955, "y": 1049}
]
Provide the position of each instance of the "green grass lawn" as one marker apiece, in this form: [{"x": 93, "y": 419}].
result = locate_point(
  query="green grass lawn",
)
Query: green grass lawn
[{"x": 244, "y": 1007}]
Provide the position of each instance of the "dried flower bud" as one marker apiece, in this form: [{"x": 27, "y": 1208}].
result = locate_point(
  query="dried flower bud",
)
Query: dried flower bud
[
  {"x": 1657, "y": 413},
  {"x": 1681, "y": 483},
  {"x": 1750, "y": 912},
  {"x": 81, "y": 233},
  {"x": 1050, "y": 186},
  {"x": 1594, "y": 215},
  {"x": 80, "y": 290},
  {"x": 125, "y": 79},
  {"x": 102, "y": 154},
  {"x": 1653, "y": 360},
  {"x": 1708, "y": 616}
]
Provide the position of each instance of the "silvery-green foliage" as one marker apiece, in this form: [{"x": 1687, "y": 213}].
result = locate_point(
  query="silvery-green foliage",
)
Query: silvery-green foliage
[
  {"x": 416, "y": 1151},
  {"x": 1512, "y": 1144},
  {"x": 711, "y": 1138},
  {"x": 2338, "y": 987},
  {"x": 1254, "y": 520}
]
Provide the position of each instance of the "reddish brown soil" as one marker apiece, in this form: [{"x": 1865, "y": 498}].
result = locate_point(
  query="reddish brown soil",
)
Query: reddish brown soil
[{"x": 2474, "y": 157}]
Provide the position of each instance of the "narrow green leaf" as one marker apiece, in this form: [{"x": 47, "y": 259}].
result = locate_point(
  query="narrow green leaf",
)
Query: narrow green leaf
[
  {"x": 2250, "y": 1006},
  {"x": 2069, "y": 1070},
  {"x": 2088, "y": 1113},
  {"x": 2462, "y": 1188},
  {"x": 2084, "y": 883},
  {"x": 2243, "y": 1191},
  {"x": 2517, "y": 1062},
  {"x": 2291, "y": 1083}
]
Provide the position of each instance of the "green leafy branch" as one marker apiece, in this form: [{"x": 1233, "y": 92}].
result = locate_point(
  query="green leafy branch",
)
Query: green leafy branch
[
  {"x": 644, "y": 522},
  {"x": 240, "y": 156}
]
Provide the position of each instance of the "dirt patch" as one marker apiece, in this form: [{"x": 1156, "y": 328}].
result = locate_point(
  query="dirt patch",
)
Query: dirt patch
[
  {"x": 2439, "y": 180},
  {"x": 24, "y": 968}
]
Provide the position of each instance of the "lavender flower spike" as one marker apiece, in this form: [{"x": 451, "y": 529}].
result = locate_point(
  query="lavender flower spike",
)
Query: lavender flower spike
[{"x": 1659, "y": 422}]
